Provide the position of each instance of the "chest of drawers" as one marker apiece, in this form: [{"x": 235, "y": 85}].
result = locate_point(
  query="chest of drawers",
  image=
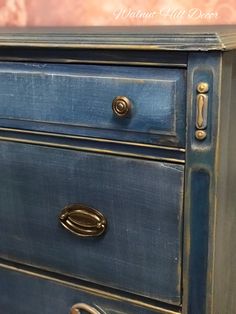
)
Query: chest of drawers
[{"x": 117, "y": 171}]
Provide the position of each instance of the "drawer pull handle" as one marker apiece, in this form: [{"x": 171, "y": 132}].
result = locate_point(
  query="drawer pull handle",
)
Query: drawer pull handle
[
  {"x": 83, "y": 220},
  {"x": 84, "y": 307},
  {"x": 121, "y": 106},
  {"x": 201, "y": 110},
  {"x": 202, "y": 102}
]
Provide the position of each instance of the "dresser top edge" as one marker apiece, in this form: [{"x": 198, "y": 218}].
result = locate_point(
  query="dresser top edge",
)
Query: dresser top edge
[{"x": 171, "y": 38}]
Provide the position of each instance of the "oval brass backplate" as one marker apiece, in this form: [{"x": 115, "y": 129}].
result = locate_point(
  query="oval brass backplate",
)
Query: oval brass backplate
[{"x": 83, "y": 220}]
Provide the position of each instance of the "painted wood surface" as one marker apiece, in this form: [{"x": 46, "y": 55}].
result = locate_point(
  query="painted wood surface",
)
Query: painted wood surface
[
  {"x": 24, "y": 293},
  {"x": 200, "y": 187},
  {"x": 96, "y": 145},
  {"x": 142, "y": 201},
  {"x": 82, "y": 95},
  {"x": 103, "y": 56},
  {"x": 44, "y": 177},
  {"x": 168, "y": 38},
  {"x": 224, "y": 241}
]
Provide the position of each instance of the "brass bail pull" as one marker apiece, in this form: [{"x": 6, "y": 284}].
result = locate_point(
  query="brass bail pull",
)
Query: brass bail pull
[
  {"x": 75, "y": 309},
  {"x": 83, "y": 221}
]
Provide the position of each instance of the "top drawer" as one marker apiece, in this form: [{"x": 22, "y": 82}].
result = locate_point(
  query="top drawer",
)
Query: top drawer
[{"x": 77, "y": 99}]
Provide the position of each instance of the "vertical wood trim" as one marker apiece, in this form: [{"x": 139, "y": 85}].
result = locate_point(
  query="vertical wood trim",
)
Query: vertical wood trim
[
  {"x": 199, "y": 219},
  {"x": 200, "y": 157}
]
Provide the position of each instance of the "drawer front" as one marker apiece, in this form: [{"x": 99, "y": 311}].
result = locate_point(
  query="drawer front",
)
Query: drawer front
[
  {"x": 77, "y": 99},
  {"x": 26, "y": 294},
  {"x": 141, "y": 200}
]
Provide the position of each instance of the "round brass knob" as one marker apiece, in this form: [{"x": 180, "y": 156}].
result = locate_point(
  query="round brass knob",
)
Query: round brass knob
[
  {"x": 200, "y": 135},
  {"x": 121, "y": 106}
]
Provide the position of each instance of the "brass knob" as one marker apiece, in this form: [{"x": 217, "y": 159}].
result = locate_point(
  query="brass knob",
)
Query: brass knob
[
  {"x": 121, "y": 106},
  {"x": 202, "y": 87},
  {"x": 200, "y": 135},
  {"x": 75, "y": 309}
]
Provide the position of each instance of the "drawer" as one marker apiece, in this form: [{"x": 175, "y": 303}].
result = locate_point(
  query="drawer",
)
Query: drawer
[
  {"x": 77, "y": 99},
  {"x": 25, "y": 293},
  {"x": 139, "y": 252}
]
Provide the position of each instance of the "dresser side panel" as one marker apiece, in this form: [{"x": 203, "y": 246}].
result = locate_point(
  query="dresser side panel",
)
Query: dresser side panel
[{"x": 224, "y": 297}]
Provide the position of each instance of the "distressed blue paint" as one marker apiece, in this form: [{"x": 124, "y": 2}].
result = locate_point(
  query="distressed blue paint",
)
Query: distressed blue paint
[
  {"x": 201, "y": 164},
  {"x": 142, "y": 201},
  {"x": 102, "y": 146},
  {"x": 199, "y": 224},
  {"x": 36, "y": 178},
  {"x": 96, "y": 56},
  {"x": 26, "y": 294},
  {"x": 81, "y": 95}
]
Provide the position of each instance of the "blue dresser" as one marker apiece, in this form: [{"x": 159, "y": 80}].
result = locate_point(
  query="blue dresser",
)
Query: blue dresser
[{"x": 118, "y": 175}]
